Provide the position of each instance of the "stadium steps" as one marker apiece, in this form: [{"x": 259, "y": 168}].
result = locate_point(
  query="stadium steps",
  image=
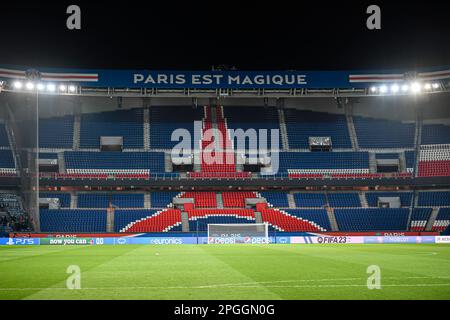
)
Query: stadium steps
[
  {"x": 351, "y": 128},
  {"x": 258, "y": 217},
  {"x": 168, "y": 165},
  {"x": 61, "y": 162},
  {"x": 219, "y": 200},
  {"x": 402, "y": 161},
  {"x": 430, "y": 223},
  {"x": 184, "y": 221},
  {"x": 13, "y": 146},
  {"x": 291, "y": 201},
  {"x": 147, "y": 201},
  {"x": 76, "y": 132},
  {"x": 73, "y": 200},
  {"x": 332, "y": 219},
  {"x": 110, "y": 220},
  {"x": 372, "y": 162},
  {"x": 283, "y": 130},
  {"x": 363, "y": 200},
  {"x": 146, "y": 129}
]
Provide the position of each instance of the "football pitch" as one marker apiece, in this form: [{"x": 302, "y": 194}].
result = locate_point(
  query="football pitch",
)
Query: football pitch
[{"x": 408, "y": 271}]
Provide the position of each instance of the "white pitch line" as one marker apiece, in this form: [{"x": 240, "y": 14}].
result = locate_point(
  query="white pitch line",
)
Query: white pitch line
[{"x": 258, "y": 285}]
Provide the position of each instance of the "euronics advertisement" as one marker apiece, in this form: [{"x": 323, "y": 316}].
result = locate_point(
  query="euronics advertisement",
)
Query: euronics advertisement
[{"x": 228, "y": 240}]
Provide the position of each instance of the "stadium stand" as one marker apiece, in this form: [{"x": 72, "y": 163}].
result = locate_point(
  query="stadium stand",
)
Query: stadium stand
[
  {"x": 165, "y": 119},
  {"x": 343, "y": 200},
  {"x": 202, "y": 199},
  {"x": 380, "y": 219},
  {"x": 161, "y": 199},
  {"x": 56, "y": 132},
  {"x": 419, "y": 219},
  {"x": 301, "y": 125},
  {"x": 4, "y": 142},
  {"x": 95, "y": 200},
  {"x": 435, "y": 134},
  {"x": 7, "y": 164},
  {"x": 236, "y": 199},
  {"x": 66, "y": 220},
  {"x": 309, "y": 200},
  {"x": 282, "y": 220},
  {"x": 378, "y": 133},
  {"x": 434, "y": 160},
  {"x": 434, "y": 198},
  {"x": 405, "y": 197},
  {"x": 64, "y": 198},
  {"x": 442, "y": 220},
  {"x": 121, "y": 123},
  {"x": 277, "y": 199},
  {"x": 160, "y": 221}
]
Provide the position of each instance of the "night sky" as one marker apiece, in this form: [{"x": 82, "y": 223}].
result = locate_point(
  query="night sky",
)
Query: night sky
[{"x": 283, "y": 35}]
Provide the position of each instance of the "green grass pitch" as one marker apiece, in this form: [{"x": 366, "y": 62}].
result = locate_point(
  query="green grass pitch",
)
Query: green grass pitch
[{"x": 309, "y": 271}]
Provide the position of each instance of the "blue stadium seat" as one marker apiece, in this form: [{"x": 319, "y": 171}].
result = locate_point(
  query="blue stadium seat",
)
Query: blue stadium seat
[
  {"x": 343, "y": 200},
  {"x": 379, "y": 219},
  {"x": 201, "y": 224},
  {"x": 96, "y": 200},
  {"x": 435, "y": 134},
  {"x": 128, "y": 124},
  {"x": 166, "y": 119},
  {"x": 6, "y": 159},
  {"x": 277, "y": 199},
  {"x": 309, "y": 200},
  {"x": 380, "y": 133},
  {"x": 317, "y": 216},
  {"x": 301, "y": 125},
  {"x": 161, "y": 199},
  {"x": 64, "y": 198},
  {"x": 67, "y": 220},
  {"x": 56, "y": 132},
  {"x": 434, "y": 198},
  {"x": 405, "y": 197},
  {"x": 123, "y": 217},
  {"x": 4, "y": 142}
]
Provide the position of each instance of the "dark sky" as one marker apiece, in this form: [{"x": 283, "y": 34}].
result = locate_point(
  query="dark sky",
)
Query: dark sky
[{"x": 301, "y": 35}]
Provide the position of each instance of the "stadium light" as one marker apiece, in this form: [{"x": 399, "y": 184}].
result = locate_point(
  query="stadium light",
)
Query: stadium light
[
  {"x": 394, "y": 88},
  {"x": 29, "y": 85},
  {"x": 51, "y": 87},
  {"x": 405, "y": 88},
  {"x": 373, "y": 89},
  {"x": 427, "y": 86},
  {"x": 17, "y": 85},
  {"x": 62, "y": 88},
  {"x": 415, "y": 87},
  {"x": 40, "y": 86},
  {"x": 383, "y": 89},
  {"x": 435, "y": 85},
  {"x": 72, "y": 88}
]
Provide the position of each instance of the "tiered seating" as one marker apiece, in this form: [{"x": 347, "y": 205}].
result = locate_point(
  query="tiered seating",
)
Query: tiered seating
[
  {"x": 319, "y": 217},
  {"x": 124, "y": 217},
  {"x": 161, "y": 221},
  {"x": 165, "y": 119},
  {"x": 435, "y": 134},
  {"x": 442, "y": 220},
  {"x": 7, "y": 164},
  {"x": 236, "y": 199},
  {"x": 202, "y": 199},
  {"x": 277, "y": 199},
  {"x": 419, "y": 219},
  {"x": 380, "y": 133},
  {"x": 4, "y": 142},
  {"x": 66, "y": 220},
  {"x": 344, "y": 200},
  {"x": 114, "y": 162},
  {"x": 434, "y": 198},
  {"x": 380, "y": 219},
  {"x": 11, "y": 203},
  {"x": 284, "y": 221},
  {"x": 102, "y": 200},
  {"x": 434, "y": 160},
  {"x": 305, "y": 200},
  {"x": 56, "y": 132},
  {"x": 128, "y": 124},
  {"x": 405, "y": 197},
  {"x": 64, "y": 198},
  {"x": 200, "y": 223},
  {"x": 389, "y": 155},
  {"x": 252, "y": 118},
  {"x": 161, "y": 199},
  {"x": 350, "y": 163},
  {"x": 301, "y": 125}
]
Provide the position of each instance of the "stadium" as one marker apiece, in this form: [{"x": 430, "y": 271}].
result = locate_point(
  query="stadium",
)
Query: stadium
[
  {"x": 359, "y": 172},
  {"x": 179, "y": 152}
]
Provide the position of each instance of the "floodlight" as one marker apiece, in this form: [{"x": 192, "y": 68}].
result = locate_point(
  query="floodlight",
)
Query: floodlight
[
  {"x": 72, "y": 88},
  {"x": 435, "y": 85},
  {"x": 394, "y": 88},
  {"x": 427, "y": 86},
  {"x": 62, "y": 88},
  {"x": 30, "y": 85},
  {"x": 51, "y": 87},
  {"x": 405, "y": 87},
  {"x": 17, "y": 85},
  {"x": 373, "y": 89},
  {"x": 415, "y": 87},
  {"x": 383, "y": 89},
  {"x": 40, "y": 86}
]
